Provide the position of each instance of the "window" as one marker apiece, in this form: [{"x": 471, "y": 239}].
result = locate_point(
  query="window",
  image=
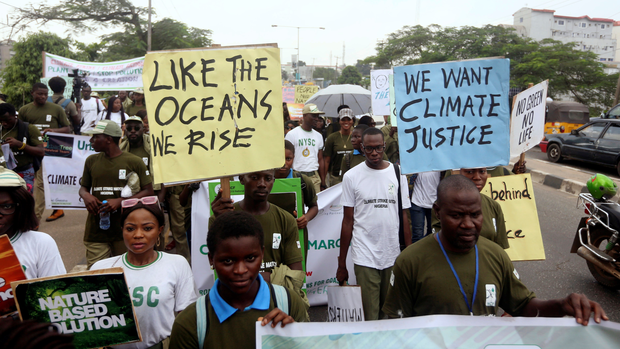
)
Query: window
[
  {"x": 612, "y": 133},
  {"x": 584, "y": 47},
  {"x": 561, "y": 22},
  {"x": 592, "y": 131},
  {"x": 614, "y": 113},
  {"x": 603, "y": 59},
  {"x": 521, "y": 20},
  {"x": 582, "y": 25},
  {"x": 574, "y": 34},
  {"x": 602, "y": 26}
]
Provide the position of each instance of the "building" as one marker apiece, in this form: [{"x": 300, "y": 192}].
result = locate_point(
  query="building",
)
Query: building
[
  {"x": 591, "y": 34},
  {"x": 6, "y": 52},
  {"x": 615, "y": 34}
]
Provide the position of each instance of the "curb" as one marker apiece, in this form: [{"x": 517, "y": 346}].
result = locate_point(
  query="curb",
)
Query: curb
[{"x": 568, "y": 186}]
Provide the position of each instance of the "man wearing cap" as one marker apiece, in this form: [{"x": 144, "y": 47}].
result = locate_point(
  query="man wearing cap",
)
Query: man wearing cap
[
  {"x": 138, "y": 102},
  {"x": 337, "y": 145},
  {"x": 309, "y": 147},
  {"x": 47, "y": 117},
  {"x": 106, "y": 173},
  {"x": 90, "y": 110}
]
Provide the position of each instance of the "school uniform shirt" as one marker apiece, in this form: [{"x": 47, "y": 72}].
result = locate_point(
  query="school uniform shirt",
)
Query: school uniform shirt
[
  {"x": 49, "y": 115},
  {"x": 373, "y": 196},
  {"x": 425, "y": 189},
  {"x": 38, "y": 254},
  {"x": 307, "y": 146},
  {"x": 158, "y": 290},
  {"x": 90, "y": 113}
]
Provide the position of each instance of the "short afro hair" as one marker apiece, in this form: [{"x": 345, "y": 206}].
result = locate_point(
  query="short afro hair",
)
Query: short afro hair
[{"x": 454, "y": 183}]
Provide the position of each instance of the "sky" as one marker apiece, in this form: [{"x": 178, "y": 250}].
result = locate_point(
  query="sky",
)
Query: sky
[{"x": 355, "y": 25}]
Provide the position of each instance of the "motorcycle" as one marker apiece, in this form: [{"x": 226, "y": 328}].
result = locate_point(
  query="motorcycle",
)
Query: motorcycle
[{"x": 597, "y": 235}]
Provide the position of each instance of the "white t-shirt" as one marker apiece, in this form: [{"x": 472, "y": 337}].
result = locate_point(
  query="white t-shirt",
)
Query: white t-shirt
[
  {"x": 38, "y": 254},
  {"x": 158, "y": 290},
  {"x": 373, "y": 196},
  {"x": 116, "y": 117},
  {"x": 425, "y": 189},
  {"x": 90, "y": 114},
  {"x": 307, "y": 145}
]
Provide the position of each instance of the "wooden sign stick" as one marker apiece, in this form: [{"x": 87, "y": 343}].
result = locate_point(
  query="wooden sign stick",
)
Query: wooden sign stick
[{"x": 225, "y": 186}]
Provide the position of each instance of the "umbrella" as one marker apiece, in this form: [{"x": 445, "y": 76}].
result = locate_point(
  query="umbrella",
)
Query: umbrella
[{"x": 330, "y": 98}]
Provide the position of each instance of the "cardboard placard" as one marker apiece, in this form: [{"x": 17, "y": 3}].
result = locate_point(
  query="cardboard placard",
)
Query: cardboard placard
[
  {"x": 10, "y": 270},
  {"x": 380, "y": 89},
  {"x": 304, "y": 92},
  {"x": 527, "y": 121},
  {"x": 344, "y": 304}
]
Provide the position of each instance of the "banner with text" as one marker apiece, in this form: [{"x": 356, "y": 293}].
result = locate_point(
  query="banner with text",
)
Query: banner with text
[
  {"x": 208, "y": 109},
  {"x": 304, "y": 92},
  {"x": 344, "y": 304},
  {"x": 393, "y": 113},
  {"x": 453, "y": 114},
  {"x": 288, "y": 94},
  {"x": 295, "y": 111},
  {"x": 63, "y": 166},
  {"x": 527, "y": 121},
  {"x": 93, "y": 306},
  {"x": 443, "y": 332},
  {"x": 10, "y": 270},
  {"x": 515, "y": 194},
  {"x": 101, "y": 76},
  {"x": 380, "y": 89}
]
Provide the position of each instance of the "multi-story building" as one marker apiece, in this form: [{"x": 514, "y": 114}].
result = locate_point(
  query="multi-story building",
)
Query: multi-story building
[
  {"x": 615, "y": 34},
  {"x": 6, "y": 52},
  {"x": 590, "y": 34}
]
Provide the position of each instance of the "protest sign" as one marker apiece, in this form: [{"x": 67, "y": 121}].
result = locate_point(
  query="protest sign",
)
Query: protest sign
[
  {"x": 288, "y": 94},
  {"x": 295, "y": 111},
  {"x": 443, "y": 332},
  {"x": 10, "y": 270},
  {"x": 93, "y": 306},
  {"x": 101, "y": 76},
  {"x": 67, "y": 93},
  {"x": 214, "y": 112},
  {"x": 304, "y": 92},
  {"x": 515, "y": 194},
  {"x": 63, "y": 166},
  {"x": 380, "y": 89},
  {"x": 453, "y": 114},
  {"x": 286, "y": 194},
  {"x": 393, "y": 114},
  {"x": 527, "y": 121},
  {"x": 344, "y": 304}
]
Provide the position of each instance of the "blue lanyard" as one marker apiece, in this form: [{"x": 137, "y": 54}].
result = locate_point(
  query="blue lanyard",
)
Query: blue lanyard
[{"x": 470, "y": 307}]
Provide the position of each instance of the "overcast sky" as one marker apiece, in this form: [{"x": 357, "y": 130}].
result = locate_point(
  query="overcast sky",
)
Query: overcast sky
[{"x": 356, "y": 24}]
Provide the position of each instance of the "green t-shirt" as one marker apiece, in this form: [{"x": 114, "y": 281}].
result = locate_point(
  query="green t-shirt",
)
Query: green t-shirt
[
  {"x": 49, "y": 115},
  {"x": 423, "y": 284},
  {"x": 493, "y": 222},
  {"x": 281, "y": 237},
  {"x": 35, "y": 139},
  {"x": 132, "y": 109},
  {"x": 106, "y": 177},
  {"x": 336, "y": 146},
  {"x": 238, "y": 331}
]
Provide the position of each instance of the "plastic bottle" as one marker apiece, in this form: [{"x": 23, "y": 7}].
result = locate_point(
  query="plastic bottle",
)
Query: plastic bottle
[{"x": 104, "y": 219}]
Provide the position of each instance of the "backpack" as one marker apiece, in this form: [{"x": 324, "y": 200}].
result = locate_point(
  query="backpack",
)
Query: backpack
[
  {"x": 24, "y": 135},
  {"x": 63, "y": 105},
  {"x": 279, "y": 295}
]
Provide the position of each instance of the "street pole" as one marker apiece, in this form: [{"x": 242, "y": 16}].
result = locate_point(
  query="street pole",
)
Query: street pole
[
  {"x": 148, "y": 40},
  {"x": 617, "y": 98},
  {"x": 298, "y": 77}
]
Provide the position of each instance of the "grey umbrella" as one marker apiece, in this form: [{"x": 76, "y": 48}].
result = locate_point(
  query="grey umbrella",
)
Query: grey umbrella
[{"x": 329, "y": 99}]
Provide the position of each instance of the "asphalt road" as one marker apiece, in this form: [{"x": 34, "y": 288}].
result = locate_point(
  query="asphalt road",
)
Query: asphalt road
[{"x": 535, "y": 153}]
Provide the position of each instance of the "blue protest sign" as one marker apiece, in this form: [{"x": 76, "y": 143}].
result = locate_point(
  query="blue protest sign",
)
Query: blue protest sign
[{"x": 453, "y": 114}]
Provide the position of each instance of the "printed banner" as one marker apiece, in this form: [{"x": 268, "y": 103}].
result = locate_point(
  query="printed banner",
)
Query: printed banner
[
  {"x": 515, "y": 194},
  {"x": 286, "y": 193},
  {"x": 295, "y": 111},
  {"x": 453, "y": 114},
  {"x": 214, "y": 113},
  {"x": 344, "y": 304},
  {"x": 443, "y": 332},
  {"x": 527, "y": 121},
  {"x": 10, "y": 270},
  {"x": 380, "y": 89},
  {"x": 304, "y": 92},
  {"x": 67, "y": 93},
  {"x": 63, "y": 166},
  {"x": 393, "y": 113},
  {"x": 288, "y": 94},
  {"x": 93, "y": 306},
  {"x": 108, "y": 76}
]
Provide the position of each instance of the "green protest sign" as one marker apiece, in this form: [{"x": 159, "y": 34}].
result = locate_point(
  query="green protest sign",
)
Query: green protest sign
[{"x": 93, "y": 306}]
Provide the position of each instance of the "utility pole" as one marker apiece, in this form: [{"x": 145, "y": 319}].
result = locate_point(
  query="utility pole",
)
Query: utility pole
[
  {"x": 343, "y": 53},
  {"x": 150, "y": 30},
  {"x": 617, "y": 98}
]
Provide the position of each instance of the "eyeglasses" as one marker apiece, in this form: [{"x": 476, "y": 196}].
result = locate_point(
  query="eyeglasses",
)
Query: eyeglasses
[
  {"x": 147, "y": 200},
  {"x": 289, "y": 127},
  {"x": 8, "y": 208},
  {"x": 369, "y": 150},
  {"x": 133, "y": 128}
]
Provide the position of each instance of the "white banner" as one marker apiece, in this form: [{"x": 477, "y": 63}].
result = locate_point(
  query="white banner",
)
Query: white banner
[
  {"x": 527, "y": 121},
  {"x": 201, "y": 211},
  {"x": 101, "y": 76},
  {"x": 380, "y": 88},
  {"x": 63, "y": 166},
  {"x": 344, "y": 304}
]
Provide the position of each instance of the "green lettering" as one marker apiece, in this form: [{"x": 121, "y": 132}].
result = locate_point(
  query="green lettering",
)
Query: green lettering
[
  {"x": 330, "y": 243},
  {"x": 149, "y": 301},
  {"x": 322, "y": 245},
  {"x": 312, "y": 244},
  {"x": 338, "y": 243},
  {"x": 313, "y": 144},
  {"x": 204, "y": 250},
  {"x": 137, "y": 295}
]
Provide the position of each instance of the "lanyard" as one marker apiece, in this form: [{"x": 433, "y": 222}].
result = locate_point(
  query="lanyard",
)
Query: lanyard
[{"x": 470, "y": 307}]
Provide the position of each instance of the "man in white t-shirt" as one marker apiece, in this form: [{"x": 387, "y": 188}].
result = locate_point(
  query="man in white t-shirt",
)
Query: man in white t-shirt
[
  {"x": 422, "y": 198},
  {"x": 371, "y": 222},
  {"x": 309, "y": 147},
  {"x": 91, "y": 108}
]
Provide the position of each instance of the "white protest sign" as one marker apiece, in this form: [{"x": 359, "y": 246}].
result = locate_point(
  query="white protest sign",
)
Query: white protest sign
[
  {"x": 101, "y": 76},
  {"x": 63, "y": 166},
  {"x": 201, "y": 211},
  {"x": 527, "y": 121},
  {"x": 380, "y": 89},
  {"x": 344, "y": 304}
]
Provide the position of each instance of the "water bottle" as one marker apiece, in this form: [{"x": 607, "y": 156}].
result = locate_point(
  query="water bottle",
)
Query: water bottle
[{"x": 104, "y": 219}]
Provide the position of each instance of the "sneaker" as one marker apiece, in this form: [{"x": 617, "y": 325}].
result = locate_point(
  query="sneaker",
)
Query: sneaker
[{"x": 55, "y": 215}]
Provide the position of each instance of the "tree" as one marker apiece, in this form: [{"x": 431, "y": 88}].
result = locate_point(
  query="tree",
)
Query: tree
[
  {"x": 328, "y": 74},
  {"x": 26, "y": 67},
  {"x": 302, "y": 63},
  {"x": 350, "y": 75},
  {"x": 284, "y": 75},
  {"x": 363, "y": 68}
]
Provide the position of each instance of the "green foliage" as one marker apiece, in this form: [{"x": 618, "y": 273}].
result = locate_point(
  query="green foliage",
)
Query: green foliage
[
  {"x": 284, "y": 75},
  {"x": 328, "y": 74},
  {"x": 26, "y": 67},
  {"x": 363, "y": 68},
  {"x": 350, "y": 75}
]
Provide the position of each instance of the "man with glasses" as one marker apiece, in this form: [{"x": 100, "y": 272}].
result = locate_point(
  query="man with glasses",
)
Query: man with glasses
[{"x": 371, "y": 222}]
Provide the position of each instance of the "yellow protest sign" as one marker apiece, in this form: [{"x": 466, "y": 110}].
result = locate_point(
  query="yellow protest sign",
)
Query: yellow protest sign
[
  {"x": 214, "y": 112},
  {"x": 304, "y": 92},
  {"x": 515, "y": 195}
]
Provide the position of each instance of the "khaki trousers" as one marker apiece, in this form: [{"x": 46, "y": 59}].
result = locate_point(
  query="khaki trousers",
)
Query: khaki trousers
[
  {"x": 316, "y": 181},
  {"x": 96, "y": 251},
  {"x": 374, "y": 284},
  {"x": 39, "y": 194},
  {"x": 177, "y": 225}
]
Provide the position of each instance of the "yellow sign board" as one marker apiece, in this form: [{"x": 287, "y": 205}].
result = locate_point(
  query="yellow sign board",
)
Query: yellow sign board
[
  {"x": 304, "y": 92},
  {"x": 214, "y": 112},
  {"x": 515, "y": 194}
]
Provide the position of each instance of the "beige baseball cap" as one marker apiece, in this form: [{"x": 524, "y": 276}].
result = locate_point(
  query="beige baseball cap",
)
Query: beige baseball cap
[
  {"x": 311, "y": 109},
  {"x": 9, "y": 178},
  {"x": 134, "y": 118},
  {"x": 106, "y": 127},
  {"x": 139, "y": 90}
]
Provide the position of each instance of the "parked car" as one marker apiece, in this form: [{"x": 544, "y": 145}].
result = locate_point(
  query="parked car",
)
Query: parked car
[
  {"x": 613, "y": 113},
  {"x": 595, "y": 142}
]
